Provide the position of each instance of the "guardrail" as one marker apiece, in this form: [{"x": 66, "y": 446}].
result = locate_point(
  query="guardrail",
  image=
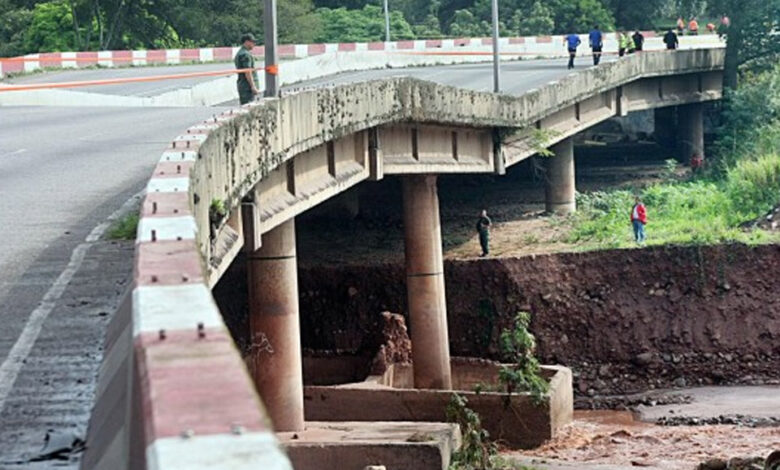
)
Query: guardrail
[
  {"x": 174, "y": 391},
  {"x": 529, "y": 45}
]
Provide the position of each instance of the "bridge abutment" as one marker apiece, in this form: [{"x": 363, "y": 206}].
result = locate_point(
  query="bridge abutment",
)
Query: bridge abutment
[
  {"x": 276, "y": 362},
  {"x": 425, "y": 283},
  {"x": 559, "y": 183}
]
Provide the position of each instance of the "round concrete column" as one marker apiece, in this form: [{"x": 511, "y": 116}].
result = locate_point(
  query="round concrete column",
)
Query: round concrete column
[
  {"x": 559, "y": 183},
  {"x": 691, "y": 131},
  {"x": 425, "y": 283},
  {"x": 274, "y": 323}
]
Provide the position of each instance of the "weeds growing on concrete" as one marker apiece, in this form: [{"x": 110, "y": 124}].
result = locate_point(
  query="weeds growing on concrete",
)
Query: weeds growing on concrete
[
  {"x": 522, "y": 371},
  {"x": 125, "y": 228}
]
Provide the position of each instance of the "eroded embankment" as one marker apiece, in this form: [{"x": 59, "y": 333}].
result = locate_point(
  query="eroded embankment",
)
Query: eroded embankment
[{"x": 625, "y": 321}]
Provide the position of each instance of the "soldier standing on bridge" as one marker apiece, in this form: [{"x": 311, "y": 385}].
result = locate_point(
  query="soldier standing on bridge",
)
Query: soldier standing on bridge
[
  {"x": 483, "y": 229},
  {"x": 247, "y": 80}
]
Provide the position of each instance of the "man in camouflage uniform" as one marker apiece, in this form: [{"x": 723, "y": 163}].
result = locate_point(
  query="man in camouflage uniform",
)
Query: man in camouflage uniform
[
  {"x": 483, "y": 229},
  {"x": 247, "y": 81}
]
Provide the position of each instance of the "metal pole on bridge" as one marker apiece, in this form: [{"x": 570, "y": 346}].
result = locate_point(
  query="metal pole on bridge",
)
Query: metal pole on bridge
[
  {"x": 387, "y": 22},
  {"x": 271, "y": 60},
  {"x": 496, "y": 66}
]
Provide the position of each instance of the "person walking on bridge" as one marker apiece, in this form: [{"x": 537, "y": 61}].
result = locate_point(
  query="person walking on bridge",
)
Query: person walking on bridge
[
  {"x": 671, "y": 40},
  {"x": 483, "y": 229},
  {"x": 596, "y": 39},
  {"x": 639, "y": 220},
  {"x": 573, "y": 42},
  {"x": 247, "y": 80}
]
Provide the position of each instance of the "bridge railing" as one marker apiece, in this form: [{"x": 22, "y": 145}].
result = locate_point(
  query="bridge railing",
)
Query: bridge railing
[{"x": 522, "y": 46}]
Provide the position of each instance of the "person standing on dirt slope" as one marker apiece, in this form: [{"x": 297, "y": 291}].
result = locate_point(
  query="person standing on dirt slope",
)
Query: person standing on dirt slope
[
  {"x": 639, "y": 220},
  {"x": 247, "y": 80},
  {"x": 483, "y": 229}
]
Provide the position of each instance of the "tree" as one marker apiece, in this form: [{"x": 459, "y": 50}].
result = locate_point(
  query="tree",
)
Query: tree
[
  {"x": 342, "y": 25},
  {"x": 539, "y": 21},
  {"x": 633, "y": 14},
  {"x": 465, "y": 24},
  {"x": 13, "y": 23},
  {"x": 573, "y": 16},
  {"x": 752, "y": 37}
]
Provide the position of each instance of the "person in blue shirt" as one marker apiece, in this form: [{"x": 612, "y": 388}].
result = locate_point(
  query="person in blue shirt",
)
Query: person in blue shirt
[
  {"x": 596, "y": 44},
  {"x": 572, "y": 42}
]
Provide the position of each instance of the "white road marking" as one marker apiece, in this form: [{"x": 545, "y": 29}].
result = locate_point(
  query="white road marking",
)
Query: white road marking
[
  {"x": 10, "y": 368},
  {"x": 15, "y": 152}
]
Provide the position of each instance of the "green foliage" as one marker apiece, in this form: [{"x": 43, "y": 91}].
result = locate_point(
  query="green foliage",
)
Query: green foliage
[
  {"x": 540, "y": 141},
  {"x": 522, "y": 371},
  {"x": 539, "y": 21},
  {"x": 476, "y": 449},
  {"x": 574, "y": 16},
  {"x": 13, "y": 23},
  {"x": 124, "y": 229},
  {"x": 633, "y": 14},
  {"x": 743, "y": 183},
  {"x": 466, "y": 24},
  {"x": 364, "y": 25},
  {"x": 51, "y": 28}
]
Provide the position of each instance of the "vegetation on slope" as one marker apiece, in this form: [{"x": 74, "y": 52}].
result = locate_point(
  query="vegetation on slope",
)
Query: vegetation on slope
[{"x": 741, "y": 185}]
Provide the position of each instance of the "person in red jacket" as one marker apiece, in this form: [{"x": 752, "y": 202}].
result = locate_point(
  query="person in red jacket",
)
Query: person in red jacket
[{"x": 639, "y": 220}]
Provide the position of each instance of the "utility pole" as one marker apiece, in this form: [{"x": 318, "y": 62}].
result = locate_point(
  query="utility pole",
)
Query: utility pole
[
  {"x": 387, "y": 22},
  {"x": 496, "y": 55},
  {"x": 271, "y": 62}
]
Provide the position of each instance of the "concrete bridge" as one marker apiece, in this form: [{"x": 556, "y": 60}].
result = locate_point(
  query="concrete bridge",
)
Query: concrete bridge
[{"x": 174, "y": 391}]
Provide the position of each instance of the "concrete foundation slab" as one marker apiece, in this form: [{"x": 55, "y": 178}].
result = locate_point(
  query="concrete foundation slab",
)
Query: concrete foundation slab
[
  {"x": 356, "y": 445},
  {"x": 516, "y": 420}
]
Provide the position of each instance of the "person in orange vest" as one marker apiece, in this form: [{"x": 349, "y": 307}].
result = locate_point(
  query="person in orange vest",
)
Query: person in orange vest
[
  {"x": 693, "y": 27},
  {"x": 711, "y": 28}
]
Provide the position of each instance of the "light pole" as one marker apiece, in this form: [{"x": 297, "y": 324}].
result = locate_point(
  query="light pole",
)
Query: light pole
[
  {"x": 271, "y": 62},
  {"x": 496, "y": 67},
  {"x": 387, "y": 22}
]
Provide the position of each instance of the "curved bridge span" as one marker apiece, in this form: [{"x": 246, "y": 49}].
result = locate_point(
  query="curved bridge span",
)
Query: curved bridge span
[{"x": 174, "y": 391}]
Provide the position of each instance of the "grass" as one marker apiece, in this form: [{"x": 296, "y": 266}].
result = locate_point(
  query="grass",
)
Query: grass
[
  {"x": 125, "y": 228},
  {"x": 699, "y": 211}
]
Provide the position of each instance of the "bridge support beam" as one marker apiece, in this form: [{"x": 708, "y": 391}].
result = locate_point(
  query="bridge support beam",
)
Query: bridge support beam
[
  {"x": 691, "y": 117},
  {"x": 559, "y": 182},
  {"x": 425, "y": 283},
  {"x": 275, "y": 327}
]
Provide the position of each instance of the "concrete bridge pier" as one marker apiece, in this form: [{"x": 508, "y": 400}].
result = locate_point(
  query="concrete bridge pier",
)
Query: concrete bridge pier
[
  {"x": 425, "y": 283},
  {"x": 691, "y": 123},
  {"x": 665, "y": 127},
  {"x": 559, "y": 183},
  {"x": 276, "y": 362}
]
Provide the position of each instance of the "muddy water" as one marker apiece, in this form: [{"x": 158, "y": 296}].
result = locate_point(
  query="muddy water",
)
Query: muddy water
[{"x": 616, "y": 438}]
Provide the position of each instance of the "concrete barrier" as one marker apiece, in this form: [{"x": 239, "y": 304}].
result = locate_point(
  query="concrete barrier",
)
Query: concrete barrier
[
  {"x": 173, "y": 384},
  {"x": 530, "y": 45}
]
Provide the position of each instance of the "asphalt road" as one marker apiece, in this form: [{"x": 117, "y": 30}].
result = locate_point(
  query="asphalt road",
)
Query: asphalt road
[{"x": 62, "y": 172}]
